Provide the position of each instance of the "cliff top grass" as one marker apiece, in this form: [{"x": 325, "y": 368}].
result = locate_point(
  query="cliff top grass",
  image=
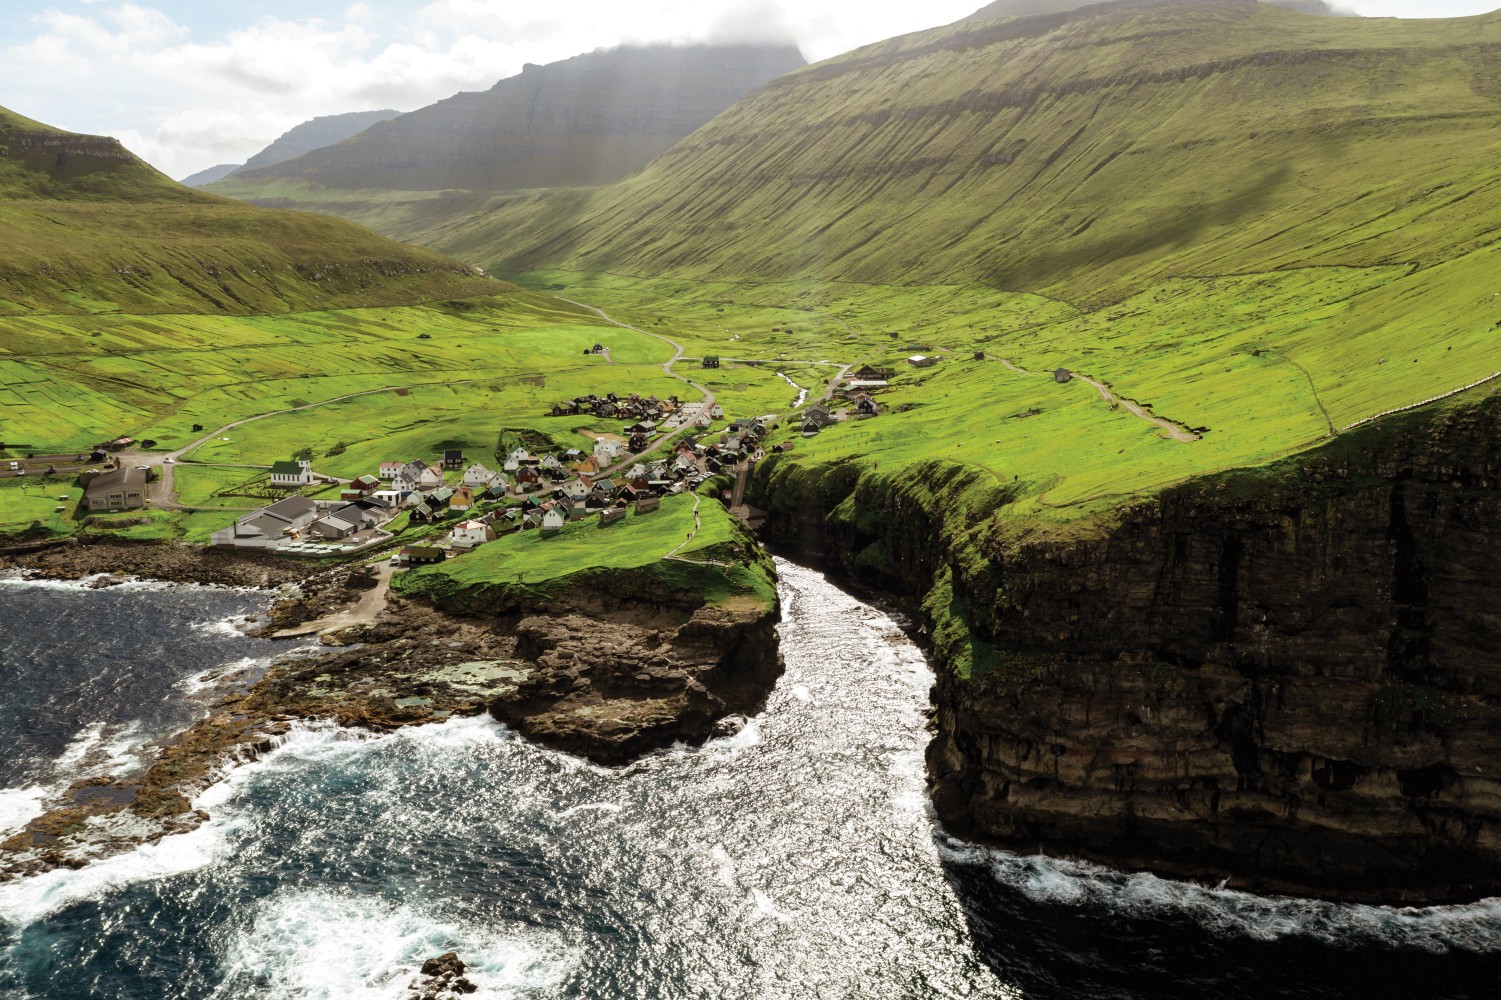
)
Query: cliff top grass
[{"x": 532, "y": 566}]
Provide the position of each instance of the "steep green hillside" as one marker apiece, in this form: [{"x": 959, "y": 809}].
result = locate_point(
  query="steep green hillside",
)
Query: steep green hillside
[
  {"x": 1085, "y": 155},
  {"x": 591, "y": 119},
  {"x": 89, "y": 228}
]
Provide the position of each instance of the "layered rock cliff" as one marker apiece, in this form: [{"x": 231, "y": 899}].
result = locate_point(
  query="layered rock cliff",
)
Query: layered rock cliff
[{"x": 1288, "y": 677}]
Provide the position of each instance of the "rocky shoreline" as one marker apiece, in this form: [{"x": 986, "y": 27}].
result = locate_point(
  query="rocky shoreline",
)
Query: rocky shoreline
[
  {"x": 608, "y": 681},
  {"x": 76, "y": 559}
]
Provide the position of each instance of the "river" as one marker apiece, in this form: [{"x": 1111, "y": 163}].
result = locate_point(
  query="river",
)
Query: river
[{"x": 796, "y": 859}]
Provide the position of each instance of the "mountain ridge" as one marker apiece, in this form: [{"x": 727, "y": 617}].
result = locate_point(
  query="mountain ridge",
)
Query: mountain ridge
[
  {"x": 92, "y": 228},
  {"x": 1191, "y": 123}
]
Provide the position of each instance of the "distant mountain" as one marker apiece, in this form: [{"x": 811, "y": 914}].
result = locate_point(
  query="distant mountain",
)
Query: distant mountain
[
  {"x": 318, "y": 134},
  {"x": 206, "y": 177},
  {"x": 587, "y": 120},
  {"x": 90, "y": 228},
  {"x": 305, "y": 138}
]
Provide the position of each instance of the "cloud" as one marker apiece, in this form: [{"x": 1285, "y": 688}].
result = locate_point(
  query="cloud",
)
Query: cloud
[
  {"x": 757, "y": 21},
  {"x": 185, "y": 101}
]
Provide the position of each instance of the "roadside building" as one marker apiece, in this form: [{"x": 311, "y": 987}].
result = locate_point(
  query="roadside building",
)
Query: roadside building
[{"x": 122, "y": 489}]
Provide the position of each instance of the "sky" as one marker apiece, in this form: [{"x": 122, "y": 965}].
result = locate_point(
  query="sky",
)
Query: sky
[{"x": 187, "y": 84}]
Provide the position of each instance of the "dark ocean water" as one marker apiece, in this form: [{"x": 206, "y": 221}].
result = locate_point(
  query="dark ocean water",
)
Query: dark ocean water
[{"x": 796, "y": 859}]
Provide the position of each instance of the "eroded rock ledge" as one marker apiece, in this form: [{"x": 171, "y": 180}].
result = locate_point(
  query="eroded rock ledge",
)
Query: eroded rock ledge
[
  {"x": 609, "y": 667},
  {"x": 1287, "y": 678}
]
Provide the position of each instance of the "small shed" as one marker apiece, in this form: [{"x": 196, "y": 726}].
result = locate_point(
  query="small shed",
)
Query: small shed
[
  {"x": 922, "y": 361},
  {"x": 1063, "y": 375},
  {"x": 711, "y": 361}
]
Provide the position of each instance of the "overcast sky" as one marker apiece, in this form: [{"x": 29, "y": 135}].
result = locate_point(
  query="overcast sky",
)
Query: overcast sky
[{"x": 190, "y": 83}]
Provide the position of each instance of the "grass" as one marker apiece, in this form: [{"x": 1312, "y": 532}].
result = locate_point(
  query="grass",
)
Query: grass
[
  {"x": 532, "y": 565},
  {"x": 31, "y": 502},
  {"x": 69, "y": 382}
]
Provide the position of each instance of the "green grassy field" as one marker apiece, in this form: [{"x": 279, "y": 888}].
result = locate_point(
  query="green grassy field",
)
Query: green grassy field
[
  {"x": 534, "y": 564},
  {"x": 69, "y": 382}
]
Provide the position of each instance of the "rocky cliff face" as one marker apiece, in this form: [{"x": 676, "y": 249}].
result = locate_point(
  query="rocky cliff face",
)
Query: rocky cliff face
[
  {"x": 1287, "y": 678},
  {"x": 616, "y": 664}
]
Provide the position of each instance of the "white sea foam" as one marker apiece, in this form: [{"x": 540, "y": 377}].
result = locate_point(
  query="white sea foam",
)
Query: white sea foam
[
  {"x": 133, "y": 584},
  {"x": 233, "y": 626},
  {"x": 594, "y": 807},
  {"x": 19, "y": 806},
  {"x": 1475, "y": 927},
  {"x": 339, "y": 946},
  {"x": 27, "y": 900}
]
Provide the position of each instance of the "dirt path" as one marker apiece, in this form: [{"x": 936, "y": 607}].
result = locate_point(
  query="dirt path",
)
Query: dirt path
[
  {"x": 676, "y": 347},
  {"x": 1175, "y": 431},
  {"x": 364, "y": 611},
  {"x": 697, "y": 524}
]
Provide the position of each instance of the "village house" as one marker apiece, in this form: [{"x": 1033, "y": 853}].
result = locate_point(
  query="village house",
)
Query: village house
[
  {"x": 360, "y": 488},
  {"x": 477, "y": 477},
  {"x": 711, "y": 361},
  {"x": 453, "y": 459},
  {"x": 819, "y": 414},
  {"x": 390, "y": 470},
  {"x": 468, "y": 534},
  {"x": 462, "y": 499},
  {"x": 418, "y": 555},
  {"x": 292, "y": 474},
  {"x": 554, "y": 519},
  {"x": 122, "y": 489},
  {"x": 716, "y": 412},
  {"x": 922, "y": 361}
]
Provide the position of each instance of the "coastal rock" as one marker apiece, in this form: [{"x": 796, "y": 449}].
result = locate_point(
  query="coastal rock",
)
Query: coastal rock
[
  {"x": 1286, "y": 678},
  {"x": 611, "y": 690},
  {"x": 445, "y": 979}
]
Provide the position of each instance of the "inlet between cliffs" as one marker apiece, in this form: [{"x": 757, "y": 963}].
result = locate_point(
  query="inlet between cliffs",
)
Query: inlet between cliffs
[{"x": 796, "y": 858}]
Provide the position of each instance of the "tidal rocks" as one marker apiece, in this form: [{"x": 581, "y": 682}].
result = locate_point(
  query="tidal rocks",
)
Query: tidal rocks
[{"x": 444, "y": 979}]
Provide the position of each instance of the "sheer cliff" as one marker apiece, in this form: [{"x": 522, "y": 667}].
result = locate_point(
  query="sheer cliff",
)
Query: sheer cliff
[{"x": 1285, "y": 677}]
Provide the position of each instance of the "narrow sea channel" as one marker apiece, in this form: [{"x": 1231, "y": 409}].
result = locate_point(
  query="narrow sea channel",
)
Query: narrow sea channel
[{"x": 797, "y": 859}]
